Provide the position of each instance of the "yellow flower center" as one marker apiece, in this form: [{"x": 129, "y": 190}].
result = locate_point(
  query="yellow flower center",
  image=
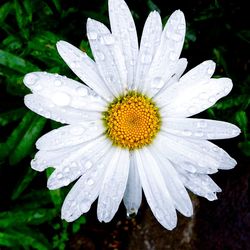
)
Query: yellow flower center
[{"x": 132, "y": 120}]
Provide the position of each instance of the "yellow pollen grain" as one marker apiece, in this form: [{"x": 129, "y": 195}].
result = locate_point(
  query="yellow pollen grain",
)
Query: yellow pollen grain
[{"x": 132, "y": 121}]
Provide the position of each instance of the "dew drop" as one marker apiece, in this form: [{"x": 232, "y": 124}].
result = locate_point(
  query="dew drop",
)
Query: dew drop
[
  {"x": 211, "y": 99},
  {"x": 61, "y": 99},
  {"x": 173, "y": 56},
  {"x": 82, "y": 91},
  {"x": 66, "y": 181},
  {"x": 100, "y": 55},
  {"x": 84, "y": 206},
  {"x": 92, "y": 35},
  {"x": 192, "y": 110},
  {"x": 66, "y": 170},
  {"x": 108, "y": 39},
  {"x": 157, "y": 82},
  {"x": 201, "y": 124},
  {"x": 187, "y": 133},
  {"x": 59, "y": 175},
  {"x": 146, "y": 58},
  {"x": 30, "y": 79},
  {"x": 210, "y": 70},
  {"x": 77, "y": 130},
  {"x": 198, "y": 134},
  {"x": 88, "y": 164},
  {"x": 90, "y": 182},
  {"x": 57, "y": 83}
]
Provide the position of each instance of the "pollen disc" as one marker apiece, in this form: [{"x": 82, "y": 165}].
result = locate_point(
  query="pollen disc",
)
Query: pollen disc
[{"x": 132, "y": 120}]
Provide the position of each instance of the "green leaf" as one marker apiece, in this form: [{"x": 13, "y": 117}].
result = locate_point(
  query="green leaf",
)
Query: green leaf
[
  {"x": 29, "y": 9},
  {"x": 26, "y": 180},
  {"x": 77, "y": 224},
  {"x": 245, "y": 148},
  {"x": 241, "y": 119},
  {"x": 7, "y": 239},
  {"x": 22, "y": 217},
  {"x": 28, "y": 238},
  {"x": 28, "y": 140},
  {"x": 56, "y": 195},
  {"x": 16, "y": 63},
  {"x": 12, "y": 115},
  {"x": 4, "y": 11},
  {"x": 16, "y": 135}
]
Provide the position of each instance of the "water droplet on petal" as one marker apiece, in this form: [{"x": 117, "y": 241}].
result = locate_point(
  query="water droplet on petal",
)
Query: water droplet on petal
[
  {"x": 90, "y": 182},
  {"x": 82, "y": 91},
  {"x": 61, "y": 99},
  {"x": 77, "y": 130},
  {"x": 31, "y": 79},
  {"x": 59, "y": 175},
  {"x": 57, "y": 83},
  {"x": 146, "y": 58},
  {"x": 92, "y": 35},
  {"x": 66, "y": 181},
  {"x": 187, "y": 132},
  {"x": 84, "y": 206},
  {"x": 100, "y": 55},
  {"x": 88, "y": 164},
  {"x": 192, "y": 109},
  {"x": 211, "y": 99},
  {"x": 173, "y": 56},
  {"x": 157, "y": 82},
  {"x": 201, "y": 124}
]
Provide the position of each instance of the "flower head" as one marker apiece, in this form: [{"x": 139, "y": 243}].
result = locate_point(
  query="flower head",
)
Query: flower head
[{"x": 128, "y": 127}]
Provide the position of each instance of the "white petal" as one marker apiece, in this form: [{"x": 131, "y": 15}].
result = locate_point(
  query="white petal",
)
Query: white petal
[
  {"x": 184, "y": 100},
  {"x": 79, "y": 163},
  {"x": 154, "y": 84},
  {"x": 70, "y": 135},
  {"x": 108, "y": 56},
  {"x": 193, "y": 155},
  {"x": 113, "y": 186},
  {"x": 133, "y": 193},
  {"x": 173, "y": 183},
  {"x": 199, "y": 128},
  {"x": 55, "y": 111},
  {"x": 199, "y": 184},
  {"x": 155, "y": 189},
  {"x": 149, "y": 42},
  {"x": 86, "y": 189},
  {"x": 124, "y": 30},
  {"x": 164, "y": 64},
  {"x": 63, "y": 91},
  {"x": 200, "y": 73},
  {"x": 84, "y": 67}
]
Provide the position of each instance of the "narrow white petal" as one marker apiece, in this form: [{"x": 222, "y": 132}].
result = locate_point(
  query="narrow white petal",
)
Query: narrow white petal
[
  {"x": 193, "y": 155},
  {"x": 78, "y": 163},
  {"x": 155, "y": 190},
  {"x": 199, "y": 128},
  {"x": 173, "y": 183},
  {"x": 63, "y": 91},
  {"x": 199, "y": 184},
  {"x": 108, "y": 56},
  {"x": 86, "y": 189},
  {"x": 201, "y": 73},
  {"x": 84, "y": 67},
  {"x": 164, "y": 64},
  {"x": 154, "y": 85},
  {"x": 70, "y": 135},
  {"x": 113, "y": 185},
  {"x": 124, "y": 30},
  {"x": 149, "y": 42},
  {"x": 44, "y": 159},
  {"x": 56, "y": 111},
  {"x": 184, "y": 100},
  {"x": 133, "y": 193}
]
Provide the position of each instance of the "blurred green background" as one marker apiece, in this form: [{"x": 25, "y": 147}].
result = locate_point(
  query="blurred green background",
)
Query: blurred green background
[{"x": 30, "y": 213}]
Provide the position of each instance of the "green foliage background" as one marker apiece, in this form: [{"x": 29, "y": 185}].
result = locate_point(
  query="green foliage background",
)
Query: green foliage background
[{"x": 29, "y": 30}]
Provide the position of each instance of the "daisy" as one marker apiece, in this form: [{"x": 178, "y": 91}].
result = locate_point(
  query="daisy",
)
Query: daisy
[{"x": 128, "y": 128}]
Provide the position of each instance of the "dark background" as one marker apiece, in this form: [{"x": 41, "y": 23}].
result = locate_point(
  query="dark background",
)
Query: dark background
[{"x": 30, "y": 213}]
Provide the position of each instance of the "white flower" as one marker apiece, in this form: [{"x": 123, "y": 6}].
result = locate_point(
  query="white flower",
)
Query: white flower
[{"x": 128, "y": 129}]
